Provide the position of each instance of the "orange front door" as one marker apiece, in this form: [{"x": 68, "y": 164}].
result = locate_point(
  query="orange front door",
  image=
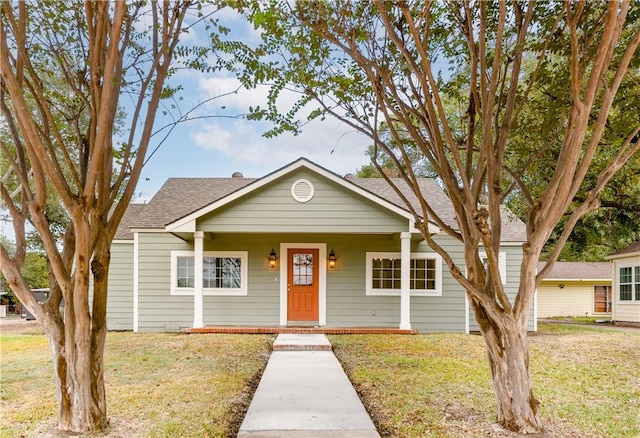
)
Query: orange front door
[{"x": 302, "y": 284}]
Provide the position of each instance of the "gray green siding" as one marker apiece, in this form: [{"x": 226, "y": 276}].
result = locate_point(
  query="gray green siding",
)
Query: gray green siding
[
  {"x": 514, "y": 260},
  {"x": 347, "y": 302},
  {"x": 120, "y": 294},
  {"x": 158, "y": 310},
  {"x": 332, "y": 209}
]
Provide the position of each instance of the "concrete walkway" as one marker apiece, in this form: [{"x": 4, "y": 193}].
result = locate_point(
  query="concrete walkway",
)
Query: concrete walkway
[{"x": 305, "y": 393}]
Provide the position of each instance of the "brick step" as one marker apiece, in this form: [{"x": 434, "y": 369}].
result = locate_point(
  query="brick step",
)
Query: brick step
[{"x": 301, "y": 330}]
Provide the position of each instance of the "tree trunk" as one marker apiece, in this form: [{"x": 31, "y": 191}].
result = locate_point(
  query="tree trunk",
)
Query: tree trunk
[
  {"x": 77, "y": 346},
  {"x": 508, "y": 355}
]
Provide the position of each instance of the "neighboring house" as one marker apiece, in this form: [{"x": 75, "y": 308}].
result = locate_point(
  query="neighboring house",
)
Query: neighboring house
[
  {"x": 626, "y": 284},
  {"x": 575, "y": 289},
  {"x": 300, "y": 246}
]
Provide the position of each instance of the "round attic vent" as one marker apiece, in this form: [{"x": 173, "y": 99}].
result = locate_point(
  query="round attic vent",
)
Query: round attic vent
[{"x": 302, "y": 190}]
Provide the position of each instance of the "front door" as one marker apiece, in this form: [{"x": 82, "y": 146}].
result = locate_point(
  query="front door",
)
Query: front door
[{"x": 302, "y": 285}]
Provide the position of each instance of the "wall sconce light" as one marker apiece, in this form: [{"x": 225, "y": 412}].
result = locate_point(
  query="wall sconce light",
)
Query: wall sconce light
[
  {"x": 561, "y": 286},
  {"x": 332, "y": 260},
  {"x": 272, "y": 259}
]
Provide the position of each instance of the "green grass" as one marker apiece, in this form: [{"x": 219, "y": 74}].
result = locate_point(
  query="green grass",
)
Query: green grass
[
  {"x": 586, "y": 380},
  {"x": 158, "y": 385},
  {"x": 581, "y": 319},
  {"x": 167, "y": 385}
]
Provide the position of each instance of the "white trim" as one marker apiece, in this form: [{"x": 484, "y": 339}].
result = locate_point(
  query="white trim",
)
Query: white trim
[
  {"x": 633, "y": 266},
  {"x": 623, "y": 256},
  {"x": 466, "y": 312},
  {"x": 136, "y": 274},
  {"x": 198, "y": 299},
  {"x": 189, "y": 227},
  {"x": 244, "y": 267},
  {"x": 322, "y": 279},
  {"x": 147, "y": 230},
  {"x": 405, "y": 279},
  {"x": 535, "y": 311},
  {"x": 301, "y": 163},
  {"x": 437, "y": 292}
]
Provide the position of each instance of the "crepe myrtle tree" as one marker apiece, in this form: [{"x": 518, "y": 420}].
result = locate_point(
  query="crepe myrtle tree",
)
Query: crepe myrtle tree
[
  {"x": 452, "y": 80},
  {"x": 65, "y": 67}
]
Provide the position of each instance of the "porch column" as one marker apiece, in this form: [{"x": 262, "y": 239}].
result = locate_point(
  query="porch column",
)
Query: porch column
[
  {"x": 405, "y": 277},
  {"x": 198, "y": 248}
]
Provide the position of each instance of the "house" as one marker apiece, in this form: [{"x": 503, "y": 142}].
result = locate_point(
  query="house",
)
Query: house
[
  {"x": 301, "y": 246},
  {"x": 626, "y": 284},
  {"x": 575, "y": 289}
]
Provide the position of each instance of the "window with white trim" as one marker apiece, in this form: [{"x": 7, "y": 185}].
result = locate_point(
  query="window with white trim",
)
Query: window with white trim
[
  {"x": 223, "y": 273},
  {"x": 384, "y": 270},
  {"x": 629, "y": 283}
]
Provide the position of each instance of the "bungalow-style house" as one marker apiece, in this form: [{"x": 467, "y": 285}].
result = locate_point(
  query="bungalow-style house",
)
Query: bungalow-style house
[
  {"x": 626, "y": 284},
  {"x": 301, "y": 246},
  {"x": 575, "y": 289}
]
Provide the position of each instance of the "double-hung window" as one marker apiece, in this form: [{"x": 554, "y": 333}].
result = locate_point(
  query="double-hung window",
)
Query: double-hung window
[
  {"x": 384, "y": 271},
  {"x": 223, "y": 273},
  {"x": 629, "y": 283}
]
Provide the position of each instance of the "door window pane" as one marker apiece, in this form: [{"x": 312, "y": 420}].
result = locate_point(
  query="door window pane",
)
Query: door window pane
[{"x": 302, "y": 269}]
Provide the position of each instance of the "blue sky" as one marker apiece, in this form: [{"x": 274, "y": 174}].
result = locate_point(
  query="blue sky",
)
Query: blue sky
[
  {"x": 217, "y": 147},
  {"x": 220, "y": 146}
]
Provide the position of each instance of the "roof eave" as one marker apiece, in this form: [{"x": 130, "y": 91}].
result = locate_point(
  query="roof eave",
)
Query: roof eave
[{"x": 623, "y": 255}]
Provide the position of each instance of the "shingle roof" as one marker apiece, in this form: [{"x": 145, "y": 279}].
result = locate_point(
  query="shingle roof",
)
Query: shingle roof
[
  {"x": 123, "y": 232},
  {"x": 634, "y": 247},
  {"x": 179, "y": 197},
  {"x": 436, "y": 197},
  {"x": 578, "y": 271},
  {"x": 513, "y": 229}
]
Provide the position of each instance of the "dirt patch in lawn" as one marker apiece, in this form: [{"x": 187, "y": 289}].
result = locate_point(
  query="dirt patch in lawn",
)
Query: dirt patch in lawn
[{"x": 13, "y": 324}]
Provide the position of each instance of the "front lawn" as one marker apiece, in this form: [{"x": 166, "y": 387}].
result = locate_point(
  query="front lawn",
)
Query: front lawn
[
  {"x": 158, "y": 385},
  {"x": 586, "y": 379}
]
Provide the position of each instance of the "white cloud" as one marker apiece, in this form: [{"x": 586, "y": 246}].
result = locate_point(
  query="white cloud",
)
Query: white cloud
[{"x": 328, "y": 143}]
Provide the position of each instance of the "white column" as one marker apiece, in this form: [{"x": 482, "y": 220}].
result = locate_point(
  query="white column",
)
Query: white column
[
  {"x": 198, "y": 248},
  {"x": 405, "y": 277}
]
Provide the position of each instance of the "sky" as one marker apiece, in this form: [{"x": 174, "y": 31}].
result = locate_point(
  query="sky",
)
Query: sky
[{"x": 220, "y": 146}]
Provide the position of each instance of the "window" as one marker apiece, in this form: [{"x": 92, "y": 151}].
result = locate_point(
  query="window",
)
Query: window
[
  {"x": 629, "y": 286},
  {"x": 185, "y": 272},
  {"x": 384, "y": 271},
  {"x": 223, "y": 273},
  {"x": 602, "y": 299}
]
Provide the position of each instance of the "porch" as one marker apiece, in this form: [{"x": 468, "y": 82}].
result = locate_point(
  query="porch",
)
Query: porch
[{"x": 303, "y": 330}]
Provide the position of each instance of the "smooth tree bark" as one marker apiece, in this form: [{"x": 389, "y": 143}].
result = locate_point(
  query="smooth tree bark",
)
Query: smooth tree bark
[
  {"x": 64, "y": 68},
  {"x": 451, "y": 80}
]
